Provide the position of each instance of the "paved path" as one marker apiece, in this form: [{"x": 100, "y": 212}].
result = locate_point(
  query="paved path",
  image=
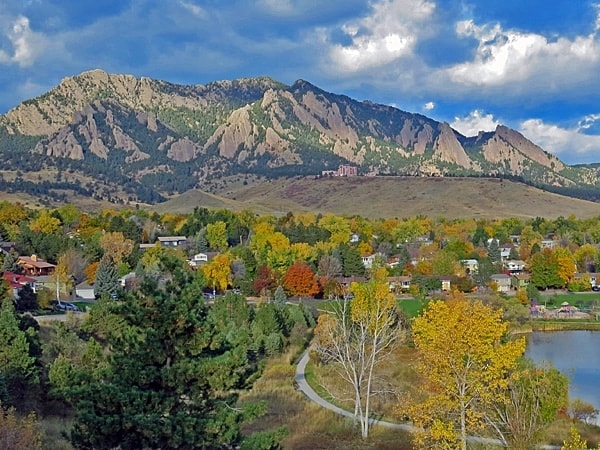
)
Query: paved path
[
  {"x": 305, "y": 388},
  {"x": 310, "y": 393}
]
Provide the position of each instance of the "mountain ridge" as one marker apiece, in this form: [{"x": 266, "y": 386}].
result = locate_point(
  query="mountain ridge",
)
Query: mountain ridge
[{"x": 147, "y": 139}]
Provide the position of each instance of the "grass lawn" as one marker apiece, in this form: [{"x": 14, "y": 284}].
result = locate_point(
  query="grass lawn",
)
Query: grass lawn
[{"x": 583, "y": 300}]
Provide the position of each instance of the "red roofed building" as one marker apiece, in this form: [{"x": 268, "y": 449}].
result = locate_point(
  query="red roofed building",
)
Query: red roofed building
[{"x": 16, "y": 282}]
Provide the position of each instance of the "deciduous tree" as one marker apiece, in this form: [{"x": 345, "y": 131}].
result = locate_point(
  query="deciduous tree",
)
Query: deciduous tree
[
  {"x": 300, "y": 280},
  {"x": 218, "y": 271},
  {"x": 19, "y": 433},
  {"x": 521, "y": 412},
  {"x": 116, "y": 246},
  {"x": 357, "y": 336},
  {"x": 216, "y": 235},
  {"x": 465, "y": 360}
]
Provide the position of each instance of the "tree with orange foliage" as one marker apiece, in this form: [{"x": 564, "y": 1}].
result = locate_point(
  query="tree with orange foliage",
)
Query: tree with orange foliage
[{"x": 300, "y": 280}]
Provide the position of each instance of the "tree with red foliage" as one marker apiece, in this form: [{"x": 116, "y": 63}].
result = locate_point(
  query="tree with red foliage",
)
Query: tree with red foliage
[
  {"x": 300, "y": 280},
  {"x": 266, "y": 279}
]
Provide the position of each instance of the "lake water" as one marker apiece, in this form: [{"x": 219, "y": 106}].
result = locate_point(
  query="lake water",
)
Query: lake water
[{"x": 574, "y": 353}]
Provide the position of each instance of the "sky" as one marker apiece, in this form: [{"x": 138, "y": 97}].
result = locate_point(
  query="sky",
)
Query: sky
[{"x": 532, "y": 65}]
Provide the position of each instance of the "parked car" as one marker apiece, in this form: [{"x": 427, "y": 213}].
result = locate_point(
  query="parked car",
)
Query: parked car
[{"x": 67, "y": 306}]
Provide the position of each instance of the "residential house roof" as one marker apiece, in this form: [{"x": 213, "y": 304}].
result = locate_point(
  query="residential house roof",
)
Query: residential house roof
[
  {"x": 17, "y": 281},
  {"x": 35, "y": 265}
]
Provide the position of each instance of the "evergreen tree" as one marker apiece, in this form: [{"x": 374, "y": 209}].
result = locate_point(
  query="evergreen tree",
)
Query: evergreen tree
[
  {"x": 351, "y": 261},
  {"x": 17, "y": 366},
  {"x": 172, "y": 376},
  {"x": 280, "y": 298},
  {"x": 494, "y": 251},
  {"x": 27, "y": 300},
  {"x": 11, "y": 263},
  {"x": 107, "y": 279}
]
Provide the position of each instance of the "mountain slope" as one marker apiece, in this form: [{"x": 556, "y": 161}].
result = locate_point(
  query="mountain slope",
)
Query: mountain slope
[
  {"x": 145, "y": 139},
  {"x": 390, "y": 197}
]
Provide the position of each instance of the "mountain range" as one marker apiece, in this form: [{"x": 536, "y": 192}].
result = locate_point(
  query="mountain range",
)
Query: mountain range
[{"x": 124, "y": 139}]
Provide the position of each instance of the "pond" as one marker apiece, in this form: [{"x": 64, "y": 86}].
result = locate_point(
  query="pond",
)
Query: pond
[{"x": 574, "y": 353}]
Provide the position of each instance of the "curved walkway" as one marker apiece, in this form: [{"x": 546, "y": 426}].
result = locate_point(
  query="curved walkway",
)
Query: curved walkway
[{"x": 310, "y": 393}]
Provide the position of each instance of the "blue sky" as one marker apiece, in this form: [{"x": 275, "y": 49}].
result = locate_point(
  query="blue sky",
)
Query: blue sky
[{"x": 531, "y": 65}]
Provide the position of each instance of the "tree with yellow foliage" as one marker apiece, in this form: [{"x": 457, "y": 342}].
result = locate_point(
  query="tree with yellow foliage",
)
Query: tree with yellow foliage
[
  {"x": 45, "y": 223},
  {"x": 216, "y": 235},
  {"x": 338, "y": 227},
  {"x": 585, "y": 257},
  {"x": 566, "y": 264},
  {"x": 116, "y": 246},
  {"x": 218, "y": 271},
  {"x": 465, "y": 360},
  {"x": 356, "y": 336}
]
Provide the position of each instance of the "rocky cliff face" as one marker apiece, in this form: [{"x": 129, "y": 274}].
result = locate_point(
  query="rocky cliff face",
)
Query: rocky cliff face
[{"x": 141, "y": 126}]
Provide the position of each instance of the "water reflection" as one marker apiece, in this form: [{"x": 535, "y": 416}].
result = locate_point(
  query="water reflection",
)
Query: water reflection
[{"x": 574, "y": 353}]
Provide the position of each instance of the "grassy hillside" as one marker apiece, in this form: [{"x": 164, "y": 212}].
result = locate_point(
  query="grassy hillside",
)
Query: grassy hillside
[{"x": 390, "y": 197}]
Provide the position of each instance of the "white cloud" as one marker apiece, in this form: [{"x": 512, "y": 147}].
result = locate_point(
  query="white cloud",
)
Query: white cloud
[
  {"x": 505, "y": 56},
  {"x": 193, "y": 8},
  {"x": 475, "y": 122},
  {"x": 568, "y": 143},
  {"x": 429, "y": 106},
  {"x": 389, "y": 33},
  {"x": 26, "y": 45}
]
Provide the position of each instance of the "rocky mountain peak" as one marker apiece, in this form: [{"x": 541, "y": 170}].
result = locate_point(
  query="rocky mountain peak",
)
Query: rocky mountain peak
[{"x": 166, "y": 137}]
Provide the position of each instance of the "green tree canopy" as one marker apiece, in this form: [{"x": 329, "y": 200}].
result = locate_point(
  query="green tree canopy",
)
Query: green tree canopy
[{"x": 170, "y": 379}]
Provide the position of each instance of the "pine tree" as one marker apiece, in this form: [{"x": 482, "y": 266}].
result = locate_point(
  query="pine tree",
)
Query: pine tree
[
  {"x": 171, "y": 377},
  {"x": 351, "y": 262},
  {"x": 17, "y": 366},
  {"x": 107, "y": 280},
  {"x": 11, "y": 263},
  {"x": 494, "y": 251},
  {"x": 280, "y": 298}
]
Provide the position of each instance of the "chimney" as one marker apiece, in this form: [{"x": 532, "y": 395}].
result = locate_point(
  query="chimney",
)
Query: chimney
[{"x": 34, "y": 257}]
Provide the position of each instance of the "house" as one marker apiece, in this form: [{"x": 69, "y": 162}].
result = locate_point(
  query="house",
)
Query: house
[
  {"x": 548, "y": 243},
  {"x": 85, "y": 291},
  {"x": 592, "y": 275},
  {"x": 7, "y": 246},
  {"x": 446, "y": 283},
  {"x": 369, "y": 259},
  {"x": 520, "y": 280},
  {"x": 125, "y": 279},
  {"x": 471, "y": 266},
  {"x": 502, "y": 280},
  {"x": 44, "y": 282},
  {"x": 344, "y": 170},
  {"x": 199, "y": 259},
  {"x": 35, "y": 266},
  {"x": 514, "y": 266},
  {"x": 505, "y": 250},
  {"x": 172, "y": 241},
  {"x": 399, "y": 283},
  {"x": 345, "y": 282},
  {"x": 16, "y": 282}
]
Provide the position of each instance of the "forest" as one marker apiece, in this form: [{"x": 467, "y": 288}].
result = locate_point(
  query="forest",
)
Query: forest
[{"x": 168, "y": 352}]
